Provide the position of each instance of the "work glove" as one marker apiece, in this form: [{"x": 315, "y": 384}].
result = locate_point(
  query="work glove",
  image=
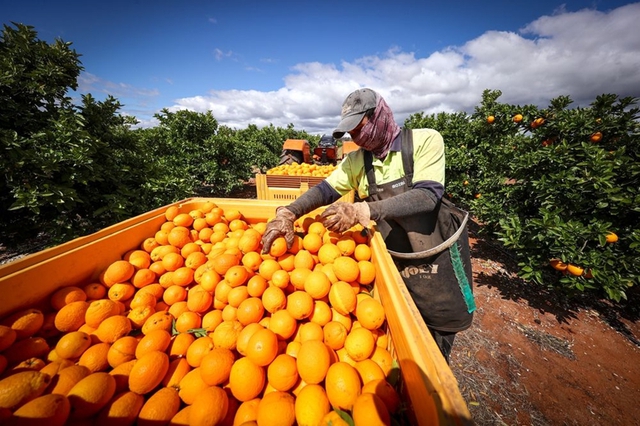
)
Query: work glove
[
  {"x": 279, "y": 226},
  {"x": 339, "y": 217}
]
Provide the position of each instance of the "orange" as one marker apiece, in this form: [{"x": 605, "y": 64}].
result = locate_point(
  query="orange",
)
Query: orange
[
  {"x": 19, "y": 388},
  {"x": 298, "y": 276},
  {"x": 362, "y": 252},
  {"x": 123, "y": 408},
  {"x": 95, "y": 291},
  {"x": 246, "y": 379},
  {"x": 385, "y": 391},
  {"x": 316, "y": 228},
  {"x": 367, "y": 272},
  {"x": 341, "y": 318},
  {"x": 121, "y": 291},
  {"x": 321, "y": 313},
  {"x": 212, "y": 319},
  {"x": 122, "y": 350},
  {"x": 575, "y": 270},
  {"x": 140, "y": 259},
  {"x": 237, "y": 275},
  {"x": 113, "y": 328},
  {"x": 223, "y": 262},
  {"x": 187, "y": 321},
  {"x": 72, "y": 345},
  {"x": 209, "y": 408},
  {"x": 346, "y": 244},
  {"x": 300, "y": 304},
  {"x": 155, "y": 340},
  {"x": 328, "y": 271},
  {"x": 369, "y": 409},
  {"x": 160, "y": 252},
  {"x": 611, "y": 238},
  {"x": 252, "y": 260},
  {"x": 304, "y": 260},
  {"x": 313, "y": 361},
  {"x": 312, "y": 242},
  {"x": 199, "y": 300},
  {"x": 171, "y": 212},
  {"x": 191, "y": 385},
  {"x": 245, "y": 334},
  {"x": 66, "y": 295},
  {"x": 96, "y": 358},
  {"x": 274, "y": 299},
  {"x": 310, "y": 331},
  {"x": 182, "y": 417},
  {"x": 99, "y": 310},
  {"x": 141, "y": 299},
  {"x": 369, "y": 370},
  {"x": 52, "y": 410},
  {"x": 229, "y": 313},
  {"x": 91, "y": 394},
  {"x": 183, "y": 276},
  {"x": 198, "y": 349},
  {"x": 328, "y": 253},
  {"x": 334, "y": 334},
  {"x": 262, "y": 347},
  {"x": 249, "y": 242},
  {"x": 118, "y": 272},
  {"x": 256, "y": 286},
  {"x": 359, "y": 344},
  {"x": 209, "y": 280},
  {"x": 174, "y": 294},
  {"x": 317, "y": 284},
  {"x": 558, "y": 265},
  {"x": 370, "y": 313},
  {"x": 278, "y": 247},
  {"x": 25, "y": 323},
  {"x": 221, "y": 293},
  {"x": 282, "y": 373},
  {"x": 286, "y": 261},
  {"x": 161, "y": 319},
  {"x": 517, "y": 118},
  {"x": 311, "y": 405},
  {"x": 216, "y": 366},
  {"x": 342, "y": 297},
  {"x": 138, "y": 316},
  {"x": 226, "y": 334},
  {"x": 346, "y": 268},
  {"x": 268, "y": 267},
  {"x": 247, "y": 412},
  {"x": 183, "y": 219},
  {"x": 342, "y": 384},
  {"x": 180, "y": 344},
  {"x": 172, "y": 261},
  {"x": 66, "y": 378},
  {"x": 148, "y": 372},
  {"x": 283, "y": 324},
  {"x": 250, "y": 310},
  {"x": 71, "y": 316},
  {"x": 276, "y": 408},
  {"x": 143, "y": 277},
  {"x": 178, "y": 368},
  {"x": 280, "y": 278},
  {"x": 160, "y": 408}
]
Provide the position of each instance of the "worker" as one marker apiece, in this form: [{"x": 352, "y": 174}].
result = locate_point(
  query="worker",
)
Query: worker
[{"x": 399, "y": 174}]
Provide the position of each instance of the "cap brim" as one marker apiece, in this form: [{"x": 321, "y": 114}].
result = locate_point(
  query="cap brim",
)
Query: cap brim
[{"x": 348, "y": 123}]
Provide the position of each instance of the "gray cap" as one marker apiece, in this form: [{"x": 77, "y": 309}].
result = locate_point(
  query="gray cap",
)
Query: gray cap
[{"x": 353, "y": 109}]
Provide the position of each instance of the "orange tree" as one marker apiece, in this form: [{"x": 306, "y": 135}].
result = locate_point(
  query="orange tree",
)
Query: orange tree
[{"x": 553, "y": 185}]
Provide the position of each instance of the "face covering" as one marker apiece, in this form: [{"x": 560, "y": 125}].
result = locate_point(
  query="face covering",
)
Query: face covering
[{"x": 379, "y": 132}]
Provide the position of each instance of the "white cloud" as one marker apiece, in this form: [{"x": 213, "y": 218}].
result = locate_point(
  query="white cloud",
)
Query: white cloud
[{"x": 581, "y": 54}]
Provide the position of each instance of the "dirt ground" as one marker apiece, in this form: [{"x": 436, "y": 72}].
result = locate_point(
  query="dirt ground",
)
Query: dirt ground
[{"x": 530, "y": 357}]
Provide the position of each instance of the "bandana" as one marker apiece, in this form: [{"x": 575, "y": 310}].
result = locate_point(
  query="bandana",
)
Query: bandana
[{"x": 379, "y": 132}]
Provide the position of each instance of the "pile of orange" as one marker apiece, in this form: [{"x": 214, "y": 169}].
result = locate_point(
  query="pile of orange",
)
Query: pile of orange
[
  {"x": 304, "y": 169},
  {"x": 196, "y": 326}
]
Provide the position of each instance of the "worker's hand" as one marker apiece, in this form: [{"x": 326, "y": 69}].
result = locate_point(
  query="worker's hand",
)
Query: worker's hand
[
  {"x": 340, "y": 216},
  {"x": 280, "y": 226}
]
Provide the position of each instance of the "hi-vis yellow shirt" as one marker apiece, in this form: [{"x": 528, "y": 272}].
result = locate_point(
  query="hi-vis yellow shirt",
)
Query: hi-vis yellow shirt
[{"x": 428, "y": 165}]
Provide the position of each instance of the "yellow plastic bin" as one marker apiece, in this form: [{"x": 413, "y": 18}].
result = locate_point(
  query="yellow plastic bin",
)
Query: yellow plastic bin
[
  {"x": 428, "y": 382},
  {"x": 289, "y": 188}
]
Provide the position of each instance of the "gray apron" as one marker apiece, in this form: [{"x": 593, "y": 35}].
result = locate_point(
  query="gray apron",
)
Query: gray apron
[{"x": 431, "y": 250}]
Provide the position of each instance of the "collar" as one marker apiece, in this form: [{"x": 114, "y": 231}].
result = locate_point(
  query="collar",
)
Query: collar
[{"x": 396, "y": 145}]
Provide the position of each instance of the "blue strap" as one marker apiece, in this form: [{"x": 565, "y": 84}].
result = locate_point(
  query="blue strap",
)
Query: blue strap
[{"x": 458, "y": 269}]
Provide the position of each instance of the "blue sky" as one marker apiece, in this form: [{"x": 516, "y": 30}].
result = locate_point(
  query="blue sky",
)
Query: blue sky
[{"x": 281, "y": 62}]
